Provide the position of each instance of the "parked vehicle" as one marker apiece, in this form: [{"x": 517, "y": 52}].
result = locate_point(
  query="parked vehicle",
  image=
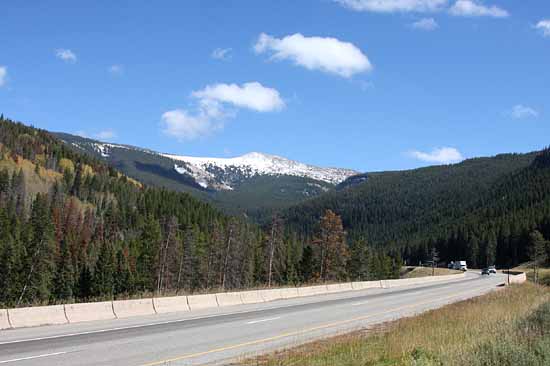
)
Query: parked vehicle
[
  {"x": 460, "y": 266},
  {"x": 492, "y": 269}
]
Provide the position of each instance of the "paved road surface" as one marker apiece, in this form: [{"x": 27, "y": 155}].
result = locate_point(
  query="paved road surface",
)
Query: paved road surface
[{"x": 217, "y": 336}]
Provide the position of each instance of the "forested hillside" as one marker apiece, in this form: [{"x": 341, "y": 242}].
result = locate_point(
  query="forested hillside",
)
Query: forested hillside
[
  {"x": 258, "y": 196},
  {"x": 73, "y": 228},
  {"x": 481, "y": 210}
]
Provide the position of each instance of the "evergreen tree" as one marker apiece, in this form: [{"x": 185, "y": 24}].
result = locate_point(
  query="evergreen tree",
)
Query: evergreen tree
[
  {"x": 307, "y": 264},
  {"x": 39, "y": 266},
  {"x": 333, "y": 250},
  {"x": 64, "y": 277},
  {"x": 490, "y": 249},
  {"x": 538, "y": 251},
  {"x": 148, "y": 254},
  {"x": 123, "y": 276},
  {"x": 8, "y": 268},
  {"x": 103, "y": 276},
  {"x": 85, "y": 283},
  {"x": 358, "y": 266}
]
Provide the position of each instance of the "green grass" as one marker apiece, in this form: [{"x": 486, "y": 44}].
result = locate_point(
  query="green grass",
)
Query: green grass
[{"x": 508, "y": 327}]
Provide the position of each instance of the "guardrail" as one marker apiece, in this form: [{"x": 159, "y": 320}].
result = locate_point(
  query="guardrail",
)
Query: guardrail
[{"x": 76, "y": 313}]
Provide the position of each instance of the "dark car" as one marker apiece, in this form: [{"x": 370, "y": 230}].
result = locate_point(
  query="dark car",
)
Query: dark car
[{"x": 485, "y": 271}]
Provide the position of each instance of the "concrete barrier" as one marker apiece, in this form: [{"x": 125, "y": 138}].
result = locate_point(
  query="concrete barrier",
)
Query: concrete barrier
[
  {"x": 312, "y": 290},
  {"x": 364, "y": 285},
  {"x": 339, "y": 287},
  {"x": 86, "y": 312},
  {"x": 289, "y": 293},
  {"x": 38, "y": 315},
  {"x": 399, "y": 283},
  {"x": 229, "y": 299},
  {"x": 271, "y": 295},
  {"x": 333, "y": 288},
  {"x": 129, "y": 308},
  {"x": 74, "y": 313},
  {"x": 251, "y": 297},
  {"x": 4, "y": 320},
  {"x": 197, "y": 302},
  {"x": 173, "y": 304},
  {"x": 419, "y": 280},
  {"x": 516, "y": 278}
]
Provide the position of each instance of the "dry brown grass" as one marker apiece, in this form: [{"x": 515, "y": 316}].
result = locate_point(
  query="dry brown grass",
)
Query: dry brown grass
[
  {"x": 544, "y": 273},
  {"x": 425, "y": 272},
  {"x": 446, "y": 336}
]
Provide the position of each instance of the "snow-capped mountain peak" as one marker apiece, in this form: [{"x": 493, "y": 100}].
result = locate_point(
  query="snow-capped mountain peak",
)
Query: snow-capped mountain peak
[{"x": 221, "y": 173}]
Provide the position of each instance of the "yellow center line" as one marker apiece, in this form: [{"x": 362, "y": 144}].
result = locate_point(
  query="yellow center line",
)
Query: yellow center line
[{"x": 302, "y": 331}]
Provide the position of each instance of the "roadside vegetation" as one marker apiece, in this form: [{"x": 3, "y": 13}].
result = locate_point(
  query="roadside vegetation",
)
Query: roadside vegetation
[
  {"x": 543, "y": 273},
  {"x": 508, "y": 327},
  {"x": 414, "y": 272}
]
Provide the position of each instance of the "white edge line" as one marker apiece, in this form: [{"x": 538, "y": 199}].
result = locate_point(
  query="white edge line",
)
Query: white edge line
[
  {"x": 263, "y": 320},
  {"x": 33, "y": 357}
]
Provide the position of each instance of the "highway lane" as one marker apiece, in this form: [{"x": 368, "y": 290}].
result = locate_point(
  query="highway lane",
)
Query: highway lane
[{"x": 215, "y": 336}]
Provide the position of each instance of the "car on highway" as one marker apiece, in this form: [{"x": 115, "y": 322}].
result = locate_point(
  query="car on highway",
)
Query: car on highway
[
  {"x": 485, "y": 271},
  {"x": 492, "y": 269}
]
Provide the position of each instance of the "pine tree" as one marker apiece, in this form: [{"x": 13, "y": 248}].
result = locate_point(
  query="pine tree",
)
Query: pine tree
[
  {"x": 331, "y": 242},
  {"x": 39, "y": 265},
  {"x": 8, "y": 268},
  {"x": 85, "y": 283},
  {"x": 275, "y": 255},
  {"x": 64, "y": 277},
  {"x": 538, "y": 251},
  {"x": 358, "y": 266},
  {"x": 147, "y": 261},
  {"x": 123, "y": 276},
  {"x": 103, "y": 276},
  {"x": 306, "y": 265},
  {"x": 490, "y": 249}
]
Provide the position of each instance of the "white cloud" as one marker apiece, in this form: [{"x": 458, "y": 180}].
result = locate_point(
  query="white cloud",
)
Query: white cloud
[
  {"x": 221, "y": 53},
  {"x": 426, "y": 24},
  {"x": 316, "y": 53},
  {"x": 212, "y": 108},
  {"x": 3, "y": 75},
  {"x": 522, "y": 112},
  {"x": 183, "y": 125},
  {"x": 391, "y": 6},
  {"x": 65, "y": 55},
  {"x": 473, "y": 8},
  {"x": 252, "y": 95},
  {"x": 544, "y": 27},
  {"x": 116, "y": 69},
  {"x": 105, "y": 134},
  {"x": 442, "y": 155}
]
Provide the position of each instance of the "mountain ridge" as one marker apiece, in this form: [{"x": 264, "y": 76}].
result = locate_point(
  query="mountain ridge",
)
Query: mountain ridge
[{"x": 248, "y": 183}]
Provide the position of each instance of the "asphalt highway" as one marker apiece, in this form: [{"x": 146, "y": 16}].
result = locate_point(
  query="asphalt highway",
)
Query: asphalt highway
[{"x": 221, "y": 335}]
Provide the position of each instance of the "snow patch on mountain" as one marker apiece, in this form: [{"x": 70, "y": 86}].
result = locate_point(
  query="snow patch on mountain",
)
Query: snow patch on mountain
[{"x": 207, "y": 171}]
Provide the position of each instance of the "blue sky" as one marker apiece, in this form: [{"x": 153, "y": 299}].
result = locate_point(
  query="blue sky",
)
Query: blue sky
[{"x": 365, "y": 84}]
